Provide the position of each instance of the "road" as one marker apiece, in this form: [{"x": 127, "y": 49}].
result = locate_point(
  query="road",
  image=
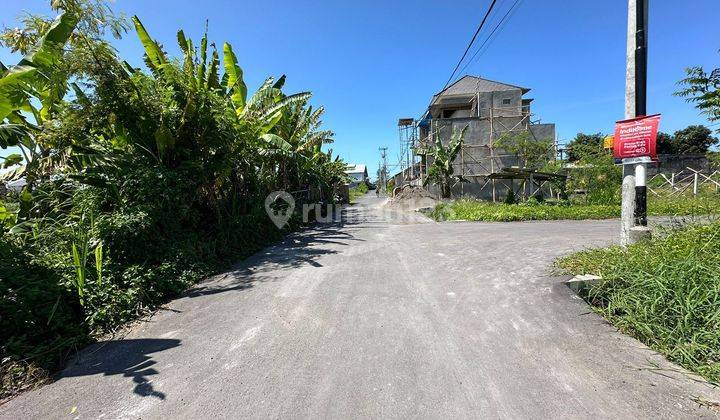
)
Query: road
[{"x": 385, "y": 315}]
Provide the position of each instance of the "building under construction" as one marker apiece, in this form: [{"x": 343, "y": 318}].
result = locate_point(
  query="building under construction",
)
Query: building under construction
[{"x": 490, "y": 110}]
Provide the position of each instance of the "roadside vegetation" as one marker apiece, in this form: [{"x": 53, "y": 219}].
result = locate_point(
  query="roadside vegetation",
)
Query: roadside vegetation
[
  {"x": 136, "y": 183},
  {"x": 358, "y": 191},
  {"x": 593, "y": 186},
  {"x": 665, "y": 292},
  {"x": 442, "y": 171},
  {"x": 477, "y": 210}
]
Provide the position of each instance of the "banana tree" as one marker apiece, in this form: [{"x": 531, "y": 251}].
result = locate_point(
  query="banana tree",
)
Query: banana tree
[
  {"x": 33, "y": 89},
  {"x": 442, "y": 172},
  {"x": 201, "y": 73},
  {"x": 298, "y": 134}
]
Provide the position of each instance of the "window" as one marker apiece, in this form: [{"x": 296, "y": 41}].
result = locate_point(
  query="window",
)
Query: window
[
  {"x": 483, "y": 105},
  {"x": 506, "y": 101}
]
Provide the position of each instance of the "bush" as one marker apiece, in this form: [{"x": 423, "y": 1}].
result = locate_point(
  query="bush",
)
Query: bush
[
  {"x": 599, "y": 177},
  {"x": 39, "y": 319},
  {"x": 510, "y": 197},
  {"x": 358, "y": 191},
  {"x": 665, "y": 292}
]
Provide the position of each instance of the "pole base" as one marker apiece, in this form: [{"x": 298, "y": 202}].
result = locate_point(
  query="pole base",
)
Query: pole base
[{"x": 640, "y": 233}]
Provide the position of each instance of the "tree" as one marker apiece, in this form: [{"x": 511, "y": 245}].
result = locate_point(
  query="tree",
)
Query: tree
[
  {"x": 585, "y": 144},
  {"x": 702, "y": 89},
  {"x": 666, "y": 144},
  {"x": 694, "y": 139},
  {"x": 95, "y": 20},
  {"x": 36, "y": 87},
  {"x": 531, "y": 153},
  {"x": 442, "y": 172}
]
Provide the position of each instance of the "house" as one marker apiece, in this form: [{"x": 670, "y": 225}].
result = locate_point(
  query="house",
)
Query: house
[
  {"x": 357, "y": 174},
  {"x": 490, "y": 110},
  {"x": 473, "y": 96}
]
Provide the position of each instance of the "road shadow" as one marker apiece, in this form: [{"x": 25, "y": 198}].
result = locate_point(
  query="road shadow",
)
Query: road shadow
[
  {"x": 304, "y": 248},
  {"x": 130, "y": 358},
  {"x": 298, "y": 249}
]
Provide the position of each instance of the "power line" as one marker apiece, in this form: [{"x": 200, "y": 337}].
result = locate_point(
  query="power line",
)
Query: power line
[
  {"x": 482, "y": 23},
  {"x": 470, "y": 44},
  {"x": 487, "y": 40}
]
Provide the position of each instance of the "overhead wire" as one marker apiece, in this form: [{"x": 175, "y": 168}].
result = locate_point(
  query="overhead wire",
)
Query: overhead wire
[
  {"x": 487, "y": 42},
  {"x": 470, "y": 44},
  {"x": 489, "y": 38}
]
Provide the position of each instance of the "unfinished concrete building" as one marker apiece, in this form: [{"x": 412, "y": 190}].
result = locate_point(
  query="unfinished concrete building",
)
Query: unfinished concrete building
[{"x": 490, "y": 110}]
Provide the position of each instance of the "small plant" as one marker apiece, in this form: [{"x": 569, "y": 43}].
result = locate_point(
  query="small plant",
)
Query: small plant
[
  {"x": 390, "y": 187},
  {"x": 80, "y": 250},
  {"x": 79, "y": 258},
  {"x": 99, "y": 263},
  {"x": 510, "y": 197}
]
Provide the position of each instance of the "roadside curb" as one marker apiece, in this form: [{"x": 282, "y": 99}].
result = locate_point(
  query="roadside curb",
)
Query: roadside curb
[{"x": 582, "y": 283}]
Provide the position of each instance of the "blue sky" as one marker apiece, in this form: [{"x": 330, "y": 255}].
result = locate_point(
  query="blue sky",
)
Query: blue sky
[{"x": 372, "y": 62}]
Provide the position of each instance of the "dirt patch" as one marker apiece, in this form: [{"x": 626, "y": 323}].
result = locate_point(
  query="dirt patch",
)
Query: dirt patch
[{"x": 412, "y": 198}]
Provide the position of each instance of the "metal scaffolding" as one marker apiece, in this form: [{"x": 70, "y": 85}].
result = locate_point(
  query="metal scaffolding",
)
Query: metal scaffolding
[
  {"x": 478, "y": 158},
  {"x": 407, "y": 132}
]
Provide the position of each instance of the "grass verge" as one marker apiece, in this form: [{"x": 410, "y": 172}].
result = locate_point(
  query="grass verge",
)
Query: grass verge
[
  {"x": 476, "y": 210},
  {"x": 664, "y": 292},
  {"x": 358, "y": 191}
]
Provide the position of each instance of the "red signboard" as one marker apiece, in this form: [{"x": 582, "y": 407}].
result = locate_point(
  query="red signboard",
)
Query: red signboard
[{"x": 636, "y": 137}]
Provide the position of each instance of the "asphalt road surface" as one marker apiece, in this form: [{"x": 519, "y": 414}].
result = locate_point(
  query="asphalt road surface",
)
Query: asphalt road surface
[{"x": 384, "y": 315}]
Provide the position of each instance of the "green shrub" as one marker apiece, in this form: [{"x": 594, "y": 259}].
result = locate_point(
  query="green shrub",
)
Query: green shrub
[
  {"x": 510, "y": 197},
  {"x": 390, "y": 186},
  {"x": 358, "y": 191},
  {"x": 40, "y": 320}
]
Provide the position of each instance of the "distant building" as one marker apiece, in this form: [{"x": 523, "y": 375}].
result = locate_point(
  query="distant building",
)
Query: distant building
[
  {"x": 357, "y": 174},
  {"x": 490, "y": 110}
]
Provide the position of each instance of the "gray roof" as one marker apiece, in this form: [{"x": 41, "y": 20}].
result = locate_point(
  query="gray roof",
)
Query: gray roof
[
  {"x": 468, "y": 85},
  {"x": 353, "y": 168}
]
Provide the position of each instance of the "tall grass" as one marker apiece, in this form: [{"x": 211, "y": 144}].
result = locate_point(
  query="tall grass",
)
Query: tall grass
[
  {"x": 483, "y": 211},
  {"x": 477, "y": 210},
  {"x": 664, "y": 292}
]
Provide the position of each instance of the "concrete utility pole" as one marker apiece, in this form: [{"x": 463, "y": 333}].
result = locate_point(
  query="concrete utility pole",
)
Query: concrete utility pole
[
  {"x": 633, "y": 219},
  {"x": 383, "y": 170}
]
